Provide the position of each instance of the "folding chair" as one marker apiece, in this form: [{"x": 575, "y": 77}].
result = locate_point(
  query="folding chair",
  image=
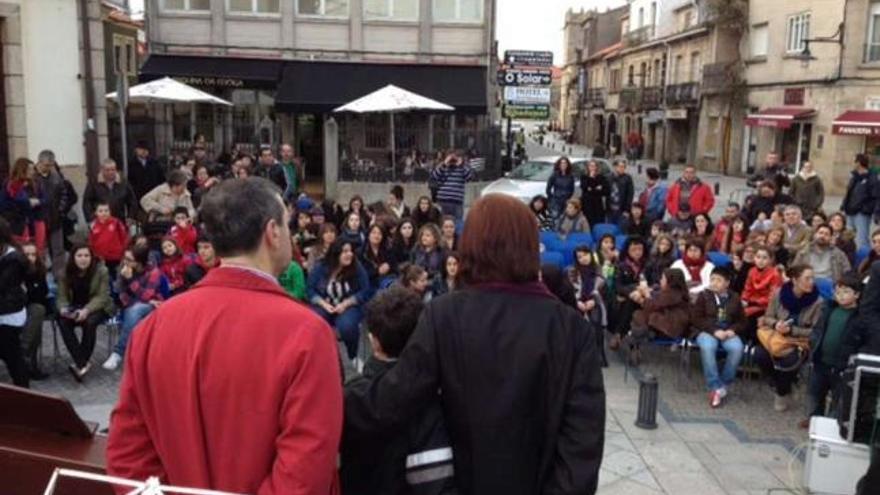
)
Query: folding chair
[{"x": 601, "y": 229}]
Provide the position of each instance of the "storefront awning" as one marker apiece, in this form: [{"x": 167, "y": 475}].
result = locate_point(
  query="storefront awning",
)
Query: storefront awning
[
  {"x": 319, "y": 87},
  {"x": 214, "y": 72},
  {"x": 857, "y": 123},
  {"x": 779, "y": 118}
]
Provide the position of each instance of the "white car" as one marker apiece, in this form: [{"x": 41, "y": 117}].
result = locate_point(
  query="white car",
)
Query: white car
[{"x": 530, "y": 178}]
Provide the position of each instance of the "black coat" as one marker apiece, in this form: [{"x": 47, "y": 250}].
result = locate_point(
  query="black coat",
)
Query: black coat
[
  {"x": 37, "y": 288},
  {"x": 863, "y": 335},
  {"x": 274, "y": 173},
  {"x": 144, "y": 178},
  {"x": 861, "y": 194},
  {"x": 624, "y": 184},
  {"x": 521, "y": 390},
  {"x": 121, "y": 198},
  {"x": 13, "y": 273},
  {"x": 594, "y": 191}
]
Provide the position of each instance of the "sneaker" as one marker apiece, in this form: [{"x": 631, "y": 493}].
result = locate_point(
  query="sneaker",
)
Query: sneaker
[
  {"x": 723, "y": 392},
  {"x": 75, "y": 372},
  {"x": 112, "y": 362},
  {"x": 780, "y": 403},
  {"x": 715, "y": 398},
  {"x": 85, "y": 369}
]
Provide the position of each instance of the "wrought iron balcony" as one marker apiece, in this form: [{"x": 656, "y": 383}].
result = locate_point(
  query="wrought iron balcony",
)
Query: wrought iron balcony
[
  {"x": 687, "y": 94},
  {"x": 652, "y": 98},
  {"x": 638, "y": 36}
]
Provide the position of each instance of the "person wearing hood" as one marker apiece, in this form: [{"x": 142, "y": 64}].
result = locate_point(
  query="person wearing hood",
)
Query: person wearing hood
[
  {"x": 560, "y": 186},
  {"x": 690, "y": 190},
  {"x": 807, "y": 190},
  {"x": 111, "y": 188}
]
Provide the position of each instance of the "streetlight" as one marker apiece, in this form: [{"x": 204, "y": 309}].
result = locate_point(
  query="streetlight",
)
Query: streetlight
[{"x": 806, "y": 54}]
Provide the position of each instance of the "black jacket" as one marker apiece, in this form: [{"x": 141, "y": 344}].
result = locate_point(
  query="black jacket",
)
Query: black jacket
[
  {"x": 521, "y": 390},
  {"x": 121, "y": 198},
  {"x": 13, "y": 272},
  {"x": 861, "y": 194},
  {"x": 37, "y": 288},
  {"x": 760, "y": 204},
  {"x": 144, "y": 178},
  {"x": 274, "y": 173},
  {"x": 560, "y": 187},
  {"x": 380, "y": 464},
  {"x": 776, "y": 174},
  {"x": 863, "y": 335},
  {"x": 624, "y": 184}
]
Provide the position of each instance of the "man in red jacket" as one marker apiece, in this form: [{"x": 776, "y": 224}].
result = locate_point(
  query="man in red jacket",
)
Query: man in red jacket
[
  {"x": 690, "y": 190},
  {"x": 233, "y": 385}
]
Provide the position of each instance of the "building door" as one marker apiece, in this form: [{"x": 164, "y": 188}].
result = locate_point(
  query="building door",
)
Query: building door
[
  {"x": 796, "y": 145},
  {"x": 310, "y": 146}
]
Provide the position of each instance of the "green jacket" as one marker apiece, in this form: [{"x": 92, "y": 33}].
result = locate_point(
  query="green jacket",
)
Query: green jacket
[
  {"x": 294, "y": 281},
  {"x": 99, "y": 292}
]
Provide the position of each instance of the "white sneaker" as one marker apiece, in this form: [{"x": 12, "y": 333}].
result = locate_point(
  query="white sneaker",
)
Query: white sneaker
[
  {"x": 722, "y": 392},
  {"x": 780, "y": 403},
  {"x": 112, "y": 362}
]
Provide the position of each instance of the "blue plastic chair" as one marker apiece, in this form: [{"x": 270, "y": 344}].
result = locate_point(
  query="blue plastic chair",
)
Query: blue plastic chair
[
  {"x": 861, "y": 254},
  {"x": 601, "y": 229},
  {"x": 620, "y": 241},
  {"x": 552, "y": 258},
  {"x": 719, "y": 259},
  {"x": 826, "y": 287},
  {"x": 580, "y": 239}
]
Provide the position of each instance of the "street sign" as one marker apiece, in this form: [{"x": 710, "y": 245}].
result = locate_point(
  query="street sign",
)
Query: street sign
[
  {"x": 526, "y": 96},
  {"x": 526, "y": 58},
  {"x": 527, "y": 112},
  {"x": 524, "y": 77}
]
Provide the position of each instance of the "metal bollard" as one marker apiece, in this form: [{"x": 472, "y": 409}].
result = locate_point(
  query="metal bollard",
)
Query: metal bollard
[
  {"x": 717, "y": 188},
  {"x": 640, "y": 168},
  {"x": 646, "y": 418}
]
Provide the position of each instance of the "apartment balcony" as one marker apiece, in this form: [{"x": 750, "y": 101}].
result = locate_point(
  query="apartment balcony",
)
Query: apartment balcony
[
  {"x": 652, "y": 98},
  {"x": 630, "y": 98},
  {"x": 638, "y": 36},
  {"x": 687, "y": 94},
  {"x": 595, "y": 98}
]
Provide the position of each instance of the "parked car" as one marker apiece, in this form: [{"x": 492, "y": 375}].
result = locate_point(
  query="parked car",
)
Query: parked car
[{"x": 530, "y": 178}]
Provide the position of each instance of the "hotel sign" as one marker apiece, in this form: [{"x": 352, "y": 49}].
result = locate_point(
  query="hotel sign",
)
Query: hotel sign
[{"x": 527, "y": 96}]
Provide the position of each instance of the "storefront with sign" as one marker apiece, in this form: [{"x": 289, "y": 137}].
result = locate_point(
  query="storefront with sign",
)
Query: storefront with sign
[
  {"x": 789, "y": 130},
  {"x": 862, "y": 125}
]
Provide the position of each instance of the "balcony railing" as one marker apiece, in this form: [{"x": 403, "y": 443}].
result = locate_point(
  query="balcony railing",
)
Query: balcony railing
[
  {"x": 595, "y": 98},
  {"x": 638, "y": 36},
  {"x": 686, "y": 94},
  {"x": 651, "y": 98}
]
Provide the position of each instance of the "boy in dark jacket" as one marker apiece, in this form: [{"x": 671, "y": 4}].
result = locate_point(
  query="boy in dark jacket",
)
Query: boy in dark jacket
[
  {"x": 719, "y": 318},
  {"x": 826, "y": 342},
  {"x": 416, "y": 459}
]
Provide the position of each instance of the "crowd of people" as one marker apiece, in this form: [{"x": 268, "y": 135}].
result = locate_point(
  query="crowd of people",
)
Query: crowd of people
[{"x": 433, "y": 309}]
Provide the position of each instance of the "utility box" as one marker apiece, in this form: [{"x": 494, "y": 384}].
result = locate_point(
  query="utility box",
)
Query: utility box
[{"x": 834, "y": 466}]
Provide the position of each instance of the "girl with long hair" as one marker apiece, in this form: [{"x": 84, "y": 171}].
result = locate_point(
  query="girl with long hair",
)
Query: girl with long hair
[
  {"x": 448, "y": 279},
  {"x": 662, "y": 257},
  {"x": 560, "y": 185},
  {"x": 22, "y": 204},
  {"x": 425, "y": 212},
  {"x": 376, "y": 257},
  {"x": 404, "y": 242},
  {"x": 37, "y": 307},
  {"x": 326, "y": 237},
  {"x": 429, "y": 254}
]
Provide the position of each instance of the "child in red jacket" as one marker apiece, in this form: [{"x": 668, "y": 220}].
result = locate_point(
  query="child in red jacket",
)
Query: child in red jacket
[
  {"x": 762, "y": 281},
  {"x": 173, "y": 265},
  {"x": 108, "y": 238},
  {"x": 184, "y": 232}
]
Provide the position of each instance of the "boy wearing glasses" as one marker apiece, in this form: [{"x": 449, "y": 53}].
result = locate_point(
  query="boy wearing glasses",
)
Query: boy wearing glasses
[{"x": 826, "y": 340}]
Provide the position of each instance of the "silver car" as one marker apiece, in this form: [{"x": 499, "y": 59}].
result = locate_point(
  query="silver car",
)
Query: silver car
[{"x": 530, "y": 178}]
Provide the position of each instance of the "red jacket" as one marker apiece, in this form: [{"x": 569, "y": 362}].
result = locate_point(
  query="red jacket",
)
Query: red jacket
[
  {"x": 185, "y": 238},
  {"x": 218, "y": 395},
  {"x": 759, "y": 288},
  {"x": 109, "y": 239},
  {"x": 174, "y": 268},
  {"x": 702, "y": 199}
]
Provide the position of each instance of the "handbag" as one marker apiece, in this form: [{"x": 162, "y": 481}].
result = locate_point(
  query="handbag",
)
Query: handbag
[{"x": 781, "y": 345}]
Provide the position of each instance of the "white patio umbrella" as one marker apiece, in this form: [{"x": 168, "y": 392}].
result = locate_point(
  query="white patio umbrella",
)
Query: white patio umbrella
[
  {"x": 167, "y": 90},
  {"x": 392, "y": 99}
]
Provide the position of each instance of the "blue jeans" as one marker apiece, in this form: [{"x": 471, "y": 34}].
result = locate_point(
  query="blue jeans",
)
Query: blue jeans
[
  {"x": 454, "y": 209},
  {"x": 347, "y": 325},
  {"x": 709, "y": 355},
  {"x": 861, "y": 223},
  {"x": 131, "y": 316}
]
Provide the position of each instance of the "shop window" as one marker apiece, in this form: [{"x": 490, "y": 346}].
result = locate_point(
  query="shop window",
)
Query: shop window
[
  {"x": 255, "y": 6},
  {"x": 391, "y": 9},
  {"x": 759, "y": 41},
  {"x": 798, "y": 30},
  {"x": 872, "y": 47},
  {"x": 458, "y": 10},
  {"x": 326, "y": 8},
  {"x": 376, "y": 129},
  {"x": 187, "y": 4}
]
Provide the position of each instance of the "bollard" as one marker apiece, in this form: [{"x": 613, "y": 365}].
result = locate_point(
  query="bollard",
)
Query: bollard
[
  {"x": 640, "y": 168},
  {"x": 717, "y": 188},
  {"x": 646, "y": 418}
]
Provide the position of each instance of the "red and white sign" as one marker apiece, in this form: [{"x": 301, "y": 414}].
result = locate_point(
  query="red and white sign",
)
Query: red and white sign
[
  {"x": 857, "y": 123},
  {"x": 778, "y": 118}
]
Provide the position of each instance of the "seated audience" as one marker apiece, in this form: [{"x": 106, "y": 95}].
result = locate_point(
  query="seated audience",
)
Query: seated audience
[
  {"x": 206, "y": 261},
  {"x": 415, "y": 279},
  {"x": 352, "y": 231},
  {"x": 636, "y": 223},
  {"x": 662, "y": 256},
  {"x": 873, "y": 255},
  {"x": 448, "y": 237},
  {"x": 173, "y": 265},
  {"x": 448, "y": 279},
  {"x": 425, "y": 213},
  {"x": 695, "y": 267},
  {"x": 762, "y": 282},
  {"x": 184, "y": 232},
  {"x": 403, "y": 243},
  {"x": 742, "y": 261},
  {"x": 539, "y": 207},
  {"x": 326, "y": 238},
  {"x": 37, "y": 308},
  {"x": 377, "y": 258},
  {"x": 161, "y": 202},
  {"x": 428, "y": 254},
  {"x": 844, "y": 238},
  {"x": 826, "y": 260},
  {"x": 630, "y": 277},
  {"x": 108, "y": 238},
  {"x": 664, "y": 311},
  {"x": 572, "y": 220}
]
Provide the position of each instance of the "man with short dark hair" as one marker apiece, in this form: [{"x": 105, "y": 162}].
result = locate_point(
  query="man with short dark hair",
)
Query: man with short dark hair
[
  {"x": 109, "y": 187},
  {"x": 860, "y": 201},
  {"x": 827, "y": 260},
  {"x": 621, "y": 192},
  {"x": 144, "y": 173},
  {"x": 269, "y": 168},
  {"x": 232, "y": 385}
]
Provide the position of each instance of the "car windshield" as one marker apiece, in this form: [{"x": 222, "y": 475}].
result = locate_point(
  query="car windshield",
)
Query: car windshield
[{"x": 541, "y": 171}]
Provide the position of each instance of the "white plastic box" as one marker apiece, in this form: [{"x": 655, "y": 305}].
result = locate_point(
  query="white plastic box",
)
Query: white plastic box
[{"x": 834, "y": 466}]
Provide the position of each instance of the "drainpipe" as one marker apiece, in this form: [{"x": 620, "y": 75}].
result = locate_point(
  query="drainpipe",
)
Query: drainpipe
[{"x": 91, "y": 131}]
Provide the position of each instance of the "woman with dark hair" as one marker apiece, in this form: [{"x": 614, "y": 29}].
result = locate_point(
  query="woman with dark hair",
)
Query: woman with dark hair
[
  {"x": 448, "y": 237},
  {"x": 695, "y": 267},
  {"x": 326, "y": 237},
  {"x": 404, "y": 242},
  {"x": 606, "y": 257},
  {"x": 83, "y": 301},
  {"x": 425, "y": 212},
  {"x": 428, "y": 253},
  {"x": 356, "y": 205},
  {"x": 37, "y": 307},
  {"x": 703, "y": 229},
  {"x": 630, "y": 277},
  {"x": 558, "y": 284},
  {"x": 337, "y": 288},
  {"x": 502, "y": 318},
  {"x": 560, "y": 185},
  {"x": 538, "y": 205},
  {"x": 448, "y": 279},
  {"x": 736, "y": 236},
  {"x": 775, "y": 242},
  {"x": 377, "y": 258},
  {"x": 594, "y": 191},
  {"x": 665, "y": 311},
  {"x": 636, "y": 224},
  {"x": 842, "y": 237},
  {"x": 352, "y": 230},
  {"x": 415, "y": 278},
  {"x": 13, "y": 305},
  {"x": 794, "y": 311},
  {"x": 21, "y": 204},
  {"x": 662, "y": 257}
]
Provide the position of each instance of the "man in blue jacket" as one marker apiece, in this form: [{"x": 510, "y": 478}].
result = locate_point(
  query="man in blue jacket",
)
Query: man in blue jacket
[
  {"x": 860, "y": 201},
  {"x": 653, "y": 198}
]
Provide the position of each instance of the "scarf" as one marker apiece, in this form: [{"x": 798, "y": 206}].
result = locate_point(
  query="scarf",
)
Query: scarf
[
  {"x": 14, "y": 187},
  {"x": 694, "y": 267},
  {"x": 793, "y": 303},
  {"x": 635, "y": 267}
]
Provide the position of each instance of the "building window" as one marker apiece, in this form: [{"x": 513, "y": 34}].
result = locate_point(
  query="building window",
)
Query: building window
[
  {"x": 458, "y": 10},
  {"x": 326, "y": 8},
  {"x": 696, "y": 67},
  {"x": 677, "y": 69},
  {"x": 759, "y": 41},
  {"x": 187, "y": 4},
  {"x": 615, "y": 80},
  {"x": 872, "y": 48},
  {"x": 641, "y": 17},
  {"x": 255, "y": 6},
  {"x": 798, "y": 30},
  {"x": 630, "y": 77},
  {"x": 391, "y": 9},
  {"x": 124, "y": 55}
]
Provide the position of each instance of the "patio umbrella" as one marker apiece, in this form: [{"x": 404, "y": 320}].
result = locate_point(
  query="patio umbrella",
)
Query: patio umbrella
[
  {"x": 392, "y": 99},
  {"x": 167, "y": 90}
]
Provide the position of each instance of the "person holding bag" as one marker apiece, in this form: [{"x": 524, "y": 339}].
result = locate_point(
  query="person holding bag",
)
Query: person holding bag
[{"x": 784, "y": 332}]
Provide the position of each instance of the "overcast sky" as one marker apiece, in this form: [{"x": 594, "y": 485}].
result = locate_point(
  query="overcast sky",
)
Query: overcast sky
[{"x": 524, "y": 24}]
